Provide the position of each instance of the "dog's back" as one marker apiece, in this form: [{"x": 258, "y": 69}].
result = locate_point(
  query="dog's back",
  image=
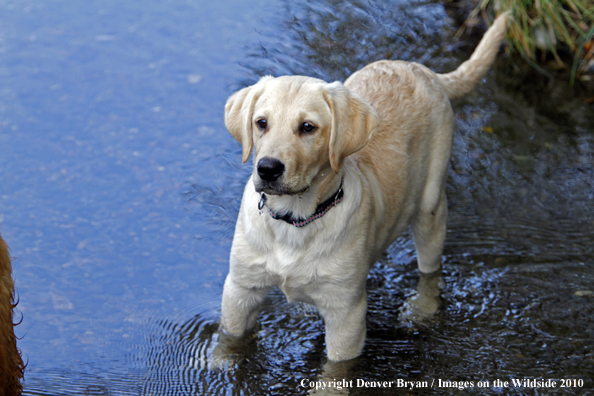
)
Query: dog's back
[{"x": 410, "y": 151}]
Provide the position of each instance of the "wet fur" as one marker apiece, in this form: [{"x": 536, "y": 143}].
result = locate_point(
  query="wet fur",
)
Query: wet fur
[
  {"x": 11, "y": 363},
  {"x": 388, "y": 131}
]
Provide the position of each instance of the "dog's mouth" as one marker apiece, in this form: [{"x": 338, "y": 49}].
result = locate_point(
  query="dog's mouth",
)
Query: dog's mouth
[{"x": 273, "y": 189}]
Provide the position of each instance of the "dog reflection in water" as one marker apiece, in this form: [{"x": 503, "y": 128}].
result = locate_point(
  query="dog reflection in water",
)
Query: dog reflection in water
[{"x": 11, "y": 363}]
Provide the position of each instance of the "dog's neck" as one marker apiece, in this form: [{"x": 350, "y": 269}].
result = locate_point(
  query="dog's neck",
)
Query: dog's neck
[{"x": 325, "y": 185}]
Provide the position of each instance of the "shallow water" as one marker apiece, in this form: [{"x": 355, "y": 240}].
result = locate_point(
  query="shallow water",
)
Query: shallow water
[{"x": 119, "y": 189}]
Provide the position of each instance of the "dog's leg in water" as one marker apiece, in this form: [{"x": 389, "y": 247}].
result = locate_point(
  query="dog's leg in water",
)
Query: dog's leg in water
[
  {"x": 429, "y": 231},
  {"x": 344, "y": 317},
  {"x": 424, "y": 304},
  {"x": 240, "y": 306}
]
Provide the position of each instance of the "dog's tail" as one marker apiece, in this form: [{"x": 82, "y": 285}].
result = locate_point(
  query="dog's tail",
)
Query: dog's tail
[{"x": 463, "y": 80}]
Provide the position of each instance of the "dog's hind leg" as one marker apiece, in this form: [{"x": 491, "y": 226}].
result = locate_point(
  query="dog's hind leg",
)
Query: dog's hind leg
[
  {"x": 429, "y": 231},
  {"x": 241, "y": 306}
]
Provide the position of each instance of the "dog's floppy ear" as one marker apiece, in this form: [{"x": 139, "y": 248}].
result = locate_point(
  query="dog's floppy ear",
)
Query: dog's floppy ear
[
  {"x": 353, "y": 123},
  {"x": 239, "y": 111}
]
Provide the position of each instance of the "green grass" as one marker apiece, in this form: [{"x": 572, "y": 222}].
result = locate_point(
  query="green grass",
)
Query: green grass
[{"x": 547, "y": 25}]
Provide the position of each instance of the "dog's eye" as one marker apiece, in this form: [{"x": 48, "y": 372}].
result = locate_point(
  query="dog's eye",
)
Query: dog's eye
[
  {"x": 262, "y": 123},
  {"x": 307, "y": 127}
]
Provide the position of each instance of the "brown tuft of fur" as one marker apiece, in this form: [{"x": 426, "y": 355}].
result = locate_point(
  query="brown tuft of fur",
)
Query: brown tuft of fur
[
  {"x": 463, "y": 80},
  {"x": 11, "y": 362}
]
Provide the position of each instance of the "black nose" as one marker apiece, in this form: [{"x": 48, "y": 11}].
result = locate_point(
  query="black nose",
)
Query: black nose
[{"x": 270, "y": 169}]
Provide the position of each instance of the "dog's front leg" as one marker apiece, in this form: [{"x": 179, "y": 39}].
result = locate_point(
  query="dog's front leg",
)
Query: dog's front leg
[
  {"x": 345, "y": 324},
  {"x": 240, "y": 306}
]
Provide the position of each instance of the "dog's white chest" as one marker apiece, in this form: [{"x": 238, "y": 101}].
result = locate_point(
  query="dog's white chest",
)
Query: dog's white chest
[{"x": 294, "y": 273}]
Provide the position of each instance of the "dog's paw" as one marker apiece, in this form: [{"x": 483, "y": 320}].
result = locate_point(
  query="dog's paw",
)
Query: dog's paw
[
  {"x": 419, "y": 309},
  {"x": 425, "y": 303},
  {"x": 333, "y": 379},
  {"x": 225, "y": 352}
]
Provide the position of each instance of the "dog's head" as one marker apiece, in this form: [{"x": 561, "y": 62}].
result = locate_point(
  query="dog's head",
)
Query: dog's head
[{"x": 298, "y": 126}]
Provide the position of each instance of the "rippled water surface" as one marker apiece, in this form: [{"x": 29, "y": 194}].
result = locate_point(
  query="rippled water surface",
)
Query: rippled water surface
[{"x": 119, "y": 189}]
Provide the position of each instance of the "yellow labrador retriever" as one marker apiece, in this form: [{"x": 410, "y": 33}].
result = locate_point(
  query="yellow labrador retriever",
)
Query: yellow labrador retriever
[{"x": 339, "y": 172}]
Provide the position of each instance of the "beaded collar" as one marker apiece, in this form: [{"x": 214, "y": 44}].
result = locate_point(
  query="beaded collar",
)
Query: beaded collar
[{"x": 321, "y": 209}]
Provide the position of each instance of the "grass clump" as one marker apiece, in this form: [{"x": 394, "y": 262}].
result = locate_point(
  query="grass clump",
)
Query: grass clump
[{"x": 547, "y": 25}]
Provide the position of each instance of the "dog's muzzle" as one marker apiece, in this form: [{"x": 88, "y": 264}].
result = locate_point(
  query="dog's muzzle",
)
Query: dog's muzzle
[
  {"x": 270, "y": 169},
  {"x": 270, "y": 177}
]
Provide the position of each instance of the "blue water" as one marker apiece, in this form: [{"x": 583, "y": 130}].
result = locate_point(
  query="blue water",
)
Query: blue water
[
  {"x": 119, "y": 189},
  {"x": 110, "y": 110}
]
